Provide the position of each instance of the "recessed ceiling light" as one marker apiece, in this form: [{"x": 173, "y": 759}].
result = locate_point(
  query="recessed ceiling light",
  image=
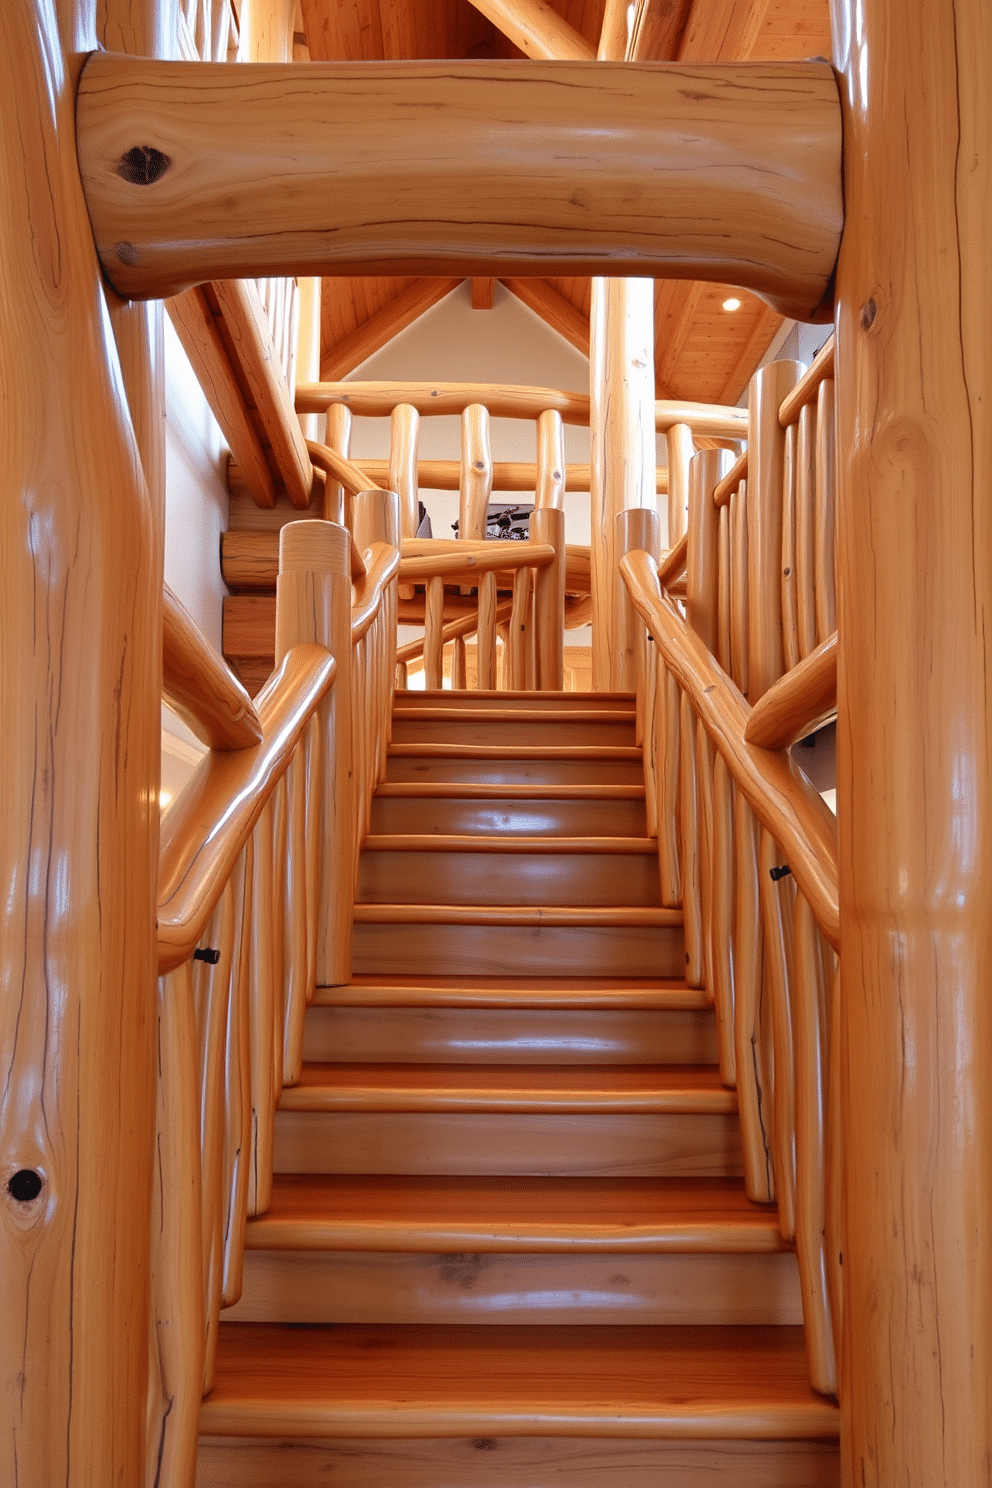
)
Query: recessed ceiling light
[{"x": 732, "y": 304}]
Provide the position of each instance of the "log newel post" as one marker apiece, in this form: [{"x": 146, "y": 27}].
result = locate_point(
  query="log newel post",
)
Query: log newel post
[
  {"x": 313, "y": 603},
  {"x": 914, "y": 426},
  {"x": 637, "y": 530}
]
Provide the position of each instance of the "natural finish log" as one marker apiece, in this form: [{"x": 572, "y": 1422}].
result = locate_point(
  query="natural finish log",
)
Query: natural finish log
[
  {"x": 805, "y": 391},
  {"x": 402, "y": 475},
  {"x": 679, "y": 441},
  {"x": 246, "y": 330},
  {"x": 483, "y": 293},
  {"x": 351, "y": 476},
  {"x": 79, "y": 695},
  {"x": 730, "y": 482},
  {"x": 199, "y": 686},
  {"x": 552, "y": 473},
  {"x": 673, "y": 565},
  {"x": 547, "y": 528},
  {"x": 486, "y": 634},
  {"x": 477, "y": 473},
  {"x": 778, "y": 793},
  {"x": 799, "y": 703},
  {"x": 667, "y": 728},
  {"x": 537, "y": 29},
  {"x": 621, "y": 442},
  {"x": 710, "y": 420},
  {"x": 488, "y": 558},
  {"x": 203, "y": 833},
  {"x": 755, "y": 1087},
  {"x": 508, "y": 475},
  {"x": 739, "y": 642},
  {"x": 195, "y": 321},
  {"x": 337, "y": 499},
  {"x": 376, "y": 332},
  {"x": 824, "y": 536},
  {"x": 762, "y": 143},
  {"x": 378, "y": 399},
  {"x": 722, "y": 958},
  {"x": 702, "y": 551},
  {"x": 788, "y": 565},
  {"x": 557, "y": 312},
  {"x": 777, "y": 918},
  {"x": 637, "y": 529},
  {"x": 806, "y": 440},
  {"x": 913, "y": 426},
  {"x": 689, "y": 835},
  {"x": 764, "y": 524},
  {"x": 521, "y": 629}
]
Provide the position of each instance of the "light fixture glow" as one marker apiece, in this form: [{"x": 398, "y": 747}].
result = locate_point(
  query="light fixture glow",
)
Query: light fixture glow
[
  {"x": 164, "y": 797},
  {"x": 732, "y": 304}
]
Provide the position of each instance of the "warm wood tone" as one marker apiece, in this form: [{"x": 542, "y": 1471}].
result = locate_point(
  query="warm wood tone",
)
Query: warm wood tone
[
  {"x": 313, "y": 604},
  {"x": 537, "y": 29},
  {"x": 195, "y": 320},
  {"x": 203, "y": 833},
  {"x": 477, "y": 473},
  {"x": 469, "y": 874},
  {"x": 681, "y": 448},
  {"x": 402, "y": 472},
  {"x": 470, "y": 564},
  {"x": 337, "y": 466},
  {"x": 268, "y": 202},
  {"x": 621, "y": 444},
  {"x": 702, "y": 552},
  {"x": 553, "y": 992},
  {"x": 483, "y": 294},
  {"x": 800, "y": 702},
  {"x": 337, "y": 499},
  {"x": 476, "y": 1382},
  {"x": 378, "y": 399},
  {"x": 673, "y": 565},
  {"x": 486, "y": 632},
  {"x": 915, "y": 438},
  {"x": 552, "y": 474},
  {"x": 401, "y": 945},
  {"x": 492, "y": 809},
  {"x": 198, "y": 686},
  {"x": 513, "y": 1462},
  {"x": 787, "y": 562},
  {"x": 557, "y": 312},
  {"x": 805, "y": 391},
  {"x": 445, "y": 475},
  {"x": 740, "y": 665},
  {"x": 379, "y": 329},
  {"x": 724, "y": 488},
  {"x": 825, "y": 536},
  {"x": 805, "y": 528},
  {"x": 584, "y": 916},
  {"x": 778, "y": 793},
  {"x": 637, "y": 529},
  {"x": 777, "y": 907},
  {"x": 547, "y": 528},
  {"x": 764, "y": 524}
]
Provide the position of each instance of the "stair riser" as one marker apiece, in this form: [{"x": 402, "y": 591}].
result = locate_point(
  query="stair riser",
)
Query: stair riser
[
  {"x": 514, "y": 1462},
  {"x": 454, "y": 816},
  {"x": 515, "y": 772},
  {"x": 371, "y": 1287},
  {"x": 508, "y": 878},
  {"x": 507, "y": 730},
  {"x": 508, "y": 1036},
  {"x": 437, "y": 1142},
  {"x": 515, "y": 950},
  {"x": 513, "y": 702}
]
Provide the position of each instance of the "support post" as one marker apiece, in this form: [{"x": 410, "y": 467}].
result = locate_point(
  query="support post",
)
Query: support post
[
  {"x": 548, "y": 526},
  {"x": 313, "y": 603},
  {"x": 914, "y": 425},
  {"x": 637, "y": 530},
  {"x": 765, "y": 474}
]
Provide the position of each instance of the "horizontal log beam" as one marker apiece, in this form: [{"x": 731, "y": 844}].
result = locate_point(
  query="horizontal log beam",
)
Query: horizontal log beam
[
  {"x": 726, "y": 172},
  {"x": 378, "y": 399}
]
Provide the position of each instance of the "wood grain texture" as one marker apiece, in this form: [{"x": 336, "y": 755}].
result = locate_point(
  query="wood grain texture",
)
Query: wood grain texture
[
  {"x": 797, "y": 703},
  {"x": 755, "y": 1074},
  {"x": 378, "y": 399},
  {"x": 766, "y": 446},
  {"x": 198, "y": 685},
  {"x": 316, "y": 219},
  {"x": 702, "y": 553},
  {"x": 777, "y": 915},
  {"x": 547, "y": 529},
  {"x": 825, "y": 540},
  {"x": 537, "y": 29},
  {"x": 402, "y": 475},
  {"x": 476, "y": 483}
]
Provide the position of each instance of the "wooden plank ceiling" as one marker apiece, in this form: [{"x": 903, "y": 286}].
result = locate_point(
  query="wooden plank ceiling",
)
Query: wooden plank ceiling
[{"x": 701, "y": 350}]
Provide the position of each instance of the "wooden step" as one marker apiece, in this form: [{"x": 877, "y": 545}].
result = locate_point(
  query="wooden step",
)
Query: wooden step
[
  {"x": 554, "y": 992},
  {"x": 474, "y": 940},
  {"x": 518, "y": 765},
  {"x": 526, "y": 811},
  {"x": 534, "y": 1089},
  {"x": 514, "y": 702},
  {"x": 404, "y": 868},
  {"x": 655, "y": 1382},
  {"x": 494, "y": 727},
  {"x": 514, "y": 1462},
  {"x": 510, "y": 1035}
]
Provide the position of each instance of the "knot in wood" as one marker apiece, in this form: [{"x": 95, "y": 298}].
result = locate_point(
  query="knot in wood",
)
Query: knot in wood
[{"x": 142, "y": 165}]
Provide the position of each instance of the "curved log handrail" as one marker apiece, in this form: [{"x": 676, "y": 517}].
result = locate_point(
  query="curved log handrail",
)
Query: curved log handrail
[
  {"x": 482, "y": 558},
  {"x": 199, "y": 686},
  {"x": 711, "y": 419},
  {"x": 214, "y": 816},
  {"x": 801, "y": 701},
  {"x": 673, "y": 565},
  {"x": 351, "y": 476},
  {"x": 779, "y": 794},
  {"x": 382, "y": 564},
  {"x": 378, "y": 399}
]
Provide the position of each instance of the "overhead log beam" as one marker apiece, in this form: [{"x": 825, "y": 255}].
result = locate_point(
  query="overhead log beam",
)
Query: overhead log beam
[
  {"x": 632, "y": 170},
  {"x": 537, "y": 29}
]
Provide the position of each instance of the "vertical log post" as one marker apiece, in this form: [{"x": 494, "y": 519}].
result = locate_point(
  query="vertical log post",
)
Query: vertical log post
[
  {"x": 681, "y": 450},
  {"x": 914, "y": 426},
  {"x": 476, "y": 485},
  {"x": 337, "y": 501},
  {"x": 313, "y": 603},
  {"x": 623, "y": 464},
  {"x": 404, "y": 436},
  {"x": 765, "y": 474},
  {"x": 637, "y": 530},
  {"x": 703, "y": 549},
  {"x": 548, "y": 526}
]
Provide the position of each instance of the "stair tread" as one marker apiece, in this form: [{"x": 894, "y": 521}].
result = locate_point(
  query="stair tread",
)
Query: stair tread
[
  {"x": 473, "y": 1214},
  {"x": 619, "y": 1089},
  {"x": 409, "y": 1380},
  {"x": 437, "y": 713},
  {"x": 484, "y": 791},
  {"x": 528, "y": 992},
  {"x": 425, "y": 749},
  {"x": 514, "y": 914},
  {"x": 505, "y": 700},
  {"x": 506, "y": 842}
]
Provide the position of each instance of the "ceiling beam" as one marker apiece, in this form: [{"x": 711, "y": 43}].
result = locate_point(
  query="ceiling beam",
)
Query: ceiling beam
[
  {"x": 656, "y": 30},
  {"x": 374, "y": 333},
  {"x": 757, "y": 344},
  {"x": 483, "y": 294},
  {"x": 557, "y": 312},
  {"x": 722, "y": 30},
  {"x": 537, "y": 29}
]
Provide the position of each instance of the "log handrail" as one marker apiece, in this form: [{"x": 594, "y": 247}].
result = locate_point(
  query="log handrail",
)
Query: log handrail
[
  {"x": 805, "y": 390},
  {"x": 801, "y": 701},
  {"x": 199, "y": 686},
  {"x": 484, "y": 558},
  {"x": 508, "y": 475},
  {"x": 672, "y": 566},
  {"x": 378, "y": 399},
  {"x": 462, "y": 625},
  {"x": 383, "y": 562},
  {"x": 777, "y": 791},
  {"x": 724, "y": 489},
  {"x": 709, "y": 419},
  {"x": 212, "y": 819},
  {"x": 351, "y": 476}
]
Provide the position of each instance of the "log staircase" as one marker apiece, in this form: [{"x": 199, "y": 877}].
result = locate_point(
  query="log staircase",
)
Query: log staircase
[{"x": 508, "y": 1241}]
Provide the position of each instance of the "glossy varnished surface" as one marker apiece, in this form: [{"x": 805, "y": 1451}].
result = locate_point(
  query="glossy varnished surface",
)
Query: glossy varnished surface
[
  {"x": 400, "y": 1381},
  {"x": 506, "y": 991}
]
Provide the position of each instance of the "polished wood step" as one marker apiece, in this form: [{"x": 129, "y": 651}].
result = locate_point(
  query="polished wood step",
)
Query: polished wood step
[
  {"x": 408, "y": 763},
  {"x": 533, "y": 1215},
  {"x": 510, "y": 1035},
  {"x": 514, "y": 943},
  {"x": 513, "y": 702},
  {"x": 464, "y": 870},
  {"x": 527, "y": 1089},
  {"x": 497, "y": 729},
  {"x": 525, "y": 812},
  {"x": 514, "y": 1462},
  {"x": 643, "y": 1382},
  {"x": 552, "y": 992}
]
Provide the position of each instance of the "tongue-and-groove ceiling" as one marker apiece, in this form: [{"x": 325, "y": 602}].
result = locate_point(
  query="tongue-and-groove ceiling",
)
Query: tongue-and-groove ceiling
[{"x": 701, "y": 350}]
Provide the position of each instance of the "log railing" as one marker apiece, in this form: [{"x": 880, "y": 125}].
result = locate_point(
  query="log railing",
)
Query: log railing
[{"x": 256, "y": 885}]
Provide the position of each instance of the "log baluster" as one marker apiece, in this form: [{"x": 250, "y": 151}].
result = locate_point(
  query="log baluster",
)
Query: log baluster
[
  {"x": 520, "y": 619},
  {"x": 263, "y": 976},
  {"x": 722, "y": 918},
  {"x": 476, "y": 484},
  {"x": 806, "y": 445},
  {"x": 690, "y": 837},
  {"x": 337, "y": 499},
  {"x": 739, "y": 643},
  {"x": 237, "y": 1085},
  {"x": 668, "y": 754},
  {"x": 790, "y": 577},
  {"x": 297, "y": 908},
  {"x": 826, "y": 490},
  {"x": 549, "y": 489},
  {"x": 548, "y": 526},
  {"x": 765, "y": 461},
  {"x": 777, "y": 914},
  {"x": 754, "y": 1077},
  {"x": 637, "y": 530},
  {"x": 486, "y": 636},
  {"x": 681, "y": 449}
]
